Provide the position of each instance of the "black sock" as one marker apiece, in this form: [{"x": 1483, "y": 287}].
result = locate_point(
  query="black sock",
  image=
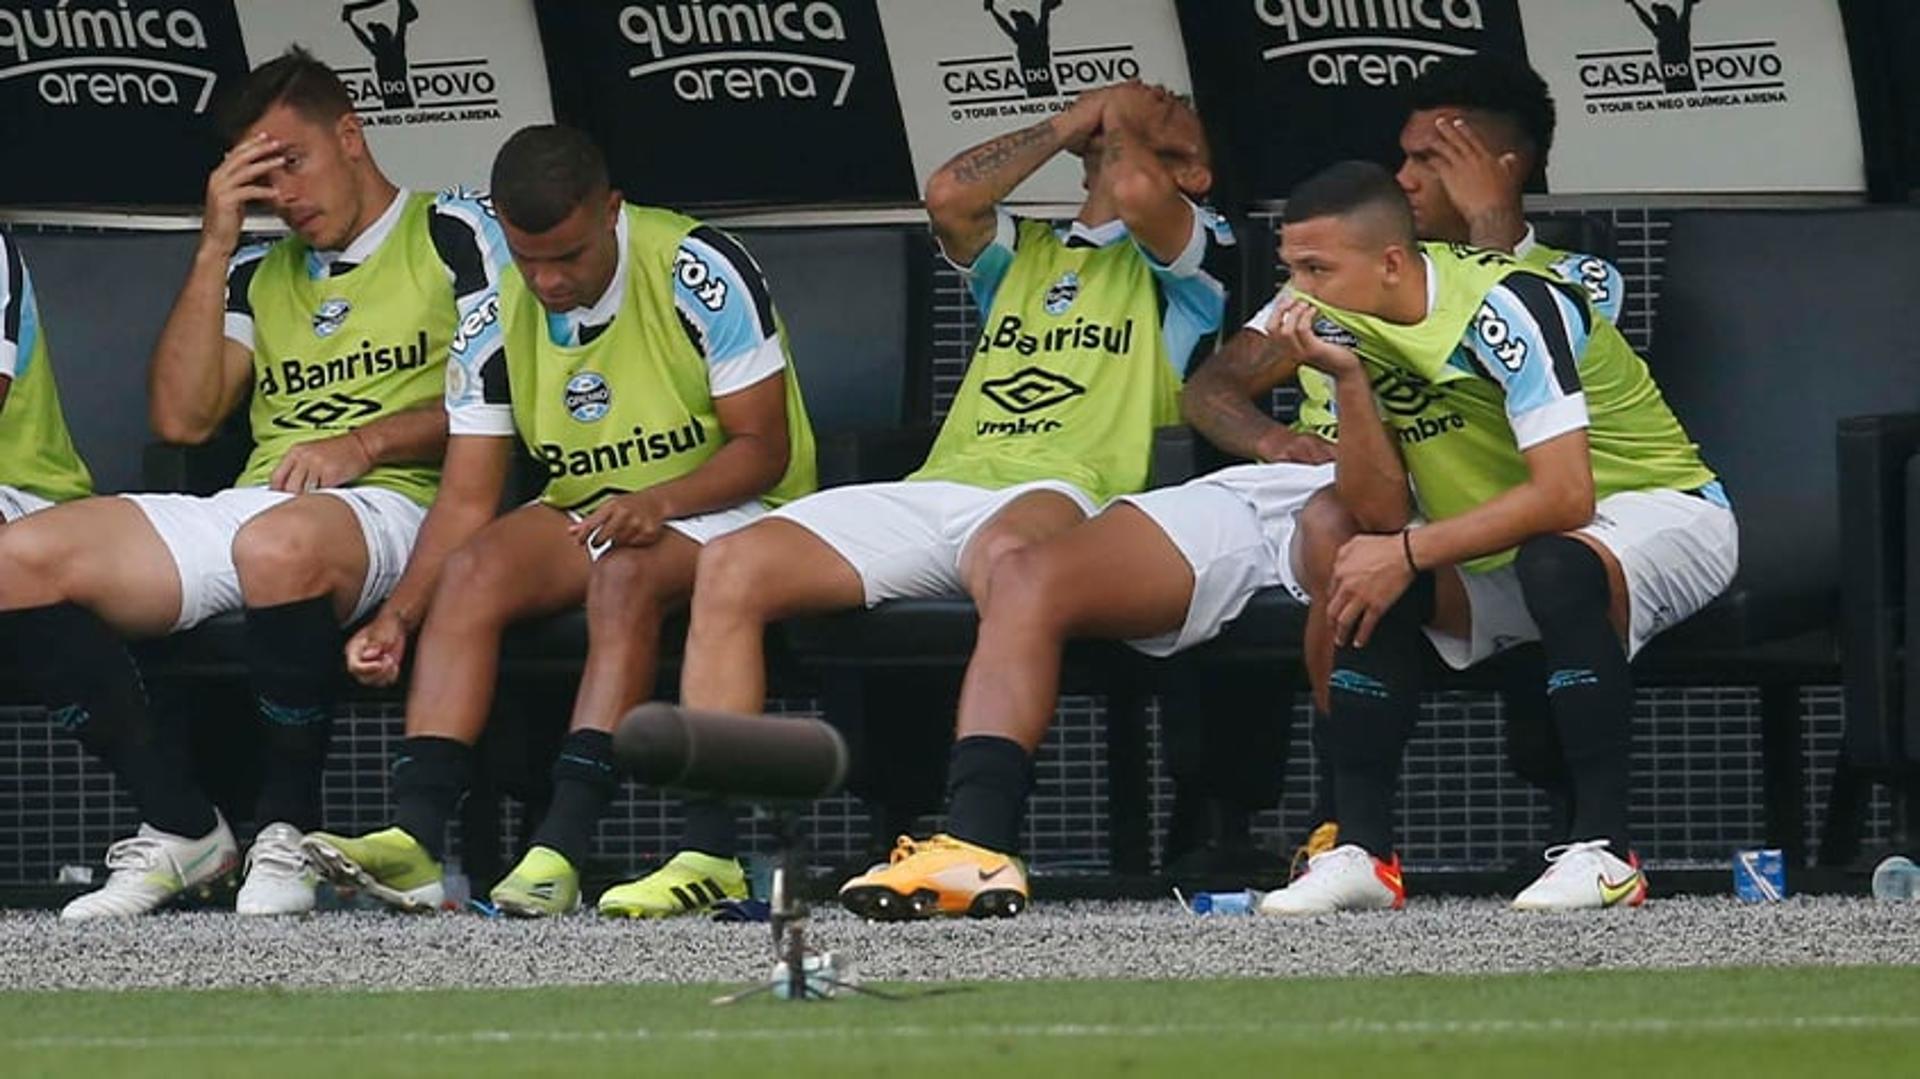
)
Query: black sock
[
  {"x": 293, "y": 651},
  {"x": 430, "y": 776},
  {"x": 988, "y": 778},
  {"x": 712, "y": 828},
  {"x": 87, "y": 679},
  {"x": 583, "y": 783},
  {"x": 1375, "y": 700},
  {"x": 1588, "y": 681},
  {"x": 1325, "y": 806}
]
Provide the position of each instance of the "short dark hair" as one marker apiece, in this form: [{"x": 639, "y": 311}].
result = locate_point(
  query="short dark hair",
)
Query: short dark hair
[
  {"x": 294, "y": 78},
  {"x": 1347, "y": 188},
  {"x": 543, "y": 173},
  {"x": 1491, "y": 83}
]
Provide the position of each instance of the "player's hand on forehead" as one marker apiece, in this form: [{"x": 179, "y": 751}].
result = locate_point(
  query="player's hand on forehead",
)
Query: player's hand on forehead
[{"x": 1459, "y": 141}]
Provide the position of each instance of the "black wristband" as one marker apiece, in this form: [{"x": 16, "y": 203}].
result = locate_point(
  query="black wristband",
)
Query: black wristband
[{"x": 1406, "y": 545}]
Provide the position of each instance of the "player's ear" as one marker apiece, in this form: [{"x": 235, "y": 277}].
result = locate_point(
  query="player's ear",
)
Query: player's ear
[
  {"x": 1193, "y": 177},
  {"x": 614, "y": 200},
  {"x": 1393, "y": 263},
  {"x": 352, "y": 136}
]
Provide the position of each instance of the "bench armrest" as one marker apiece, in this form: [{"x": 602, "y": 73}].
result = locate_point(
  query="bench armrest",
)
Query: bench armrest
[
  {"x": 1877, "y": 581},
  {"x": 872, "y": 456},
  {"x": 199, "y": 469}
]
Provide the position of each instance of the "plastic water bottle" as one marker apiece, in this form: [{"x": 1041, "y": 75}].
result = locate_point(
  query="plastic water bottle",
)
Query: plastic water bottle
[
  {"x": 1896, "y": 878},
  {"x": 1212, "y": 903},
  {"x": 455, "y": 887},
  {"x": 824, "y": 976}
]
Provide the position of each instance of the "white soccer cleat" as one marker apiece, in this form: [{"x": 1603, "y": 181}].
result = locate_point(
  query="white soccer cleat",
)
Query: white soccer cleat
[
  {"x": 1585, "y": 876},
  {"x": 154, "y": 867},
  {"x": 1344, "y": 878},
  {"x": 278, "y": 879}
]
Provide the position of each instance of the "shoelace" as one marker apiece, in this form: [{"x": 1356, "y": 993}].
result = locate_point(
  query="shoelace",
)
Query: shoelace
[
  {"x": 1556, "y": 855},
  {"x": 1306, "y": 871},
  {"x": 137, "y": 854},
  {"x": 906, "y": 847},
  {"x": 276, "y": 853}
]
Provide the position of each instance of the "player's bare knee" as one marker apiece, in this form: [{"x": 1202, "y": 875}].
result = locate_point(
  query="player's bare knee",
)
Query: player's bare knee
[
  {"x": 627, "y": 586},
  {"x": 1323, "y": 525},
  {"x": 471, "y": 584},
  {"x": 42, "y": 556},
  {"x": 1324, "y": 519},
  {"x": 992, "y": 548},
  {"x": 284, "y": 556},
  {"x": 1027, "y": 587},
  {"x": 731, "y": 574}
]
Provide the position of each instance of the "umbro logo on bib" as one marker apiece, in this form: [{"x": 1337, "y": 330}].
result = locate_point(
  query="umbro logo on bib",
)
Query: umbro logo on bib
[
  {"x": 1030, "y": 389},
  {"x": 1062, "y": 293},
  {"x": 330, "y": 317},
  {"x": 589, "y": 398}
]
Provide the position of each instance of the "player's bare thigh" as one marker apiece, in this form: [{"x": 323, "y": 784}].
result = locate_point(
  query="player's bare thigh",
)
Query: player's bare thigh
[
  {"x": 775, "y": 568},
  {"x": 1074, "y": 575},
  {"x": 525, "y": 563},
  {"x": 101, "y": 553}
]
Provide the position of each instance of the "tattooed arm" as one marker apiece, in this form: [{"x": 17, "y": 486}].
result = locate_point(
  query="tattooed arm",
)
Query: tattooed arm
[
  {"x": 961, "y": 196},
  {"x": 1218, "y": 402}
]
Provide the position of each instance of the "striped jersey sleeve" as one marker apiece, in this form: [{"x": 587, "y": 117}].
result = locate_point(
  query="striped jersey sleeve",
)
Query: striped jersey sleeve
[
  {"x": 238, "y": 323},
  {"x": 1527, "y": 338},
  {"x": 17, "y": 320},
  {"x": 727, "y": 310},
  {"x": 1606, "y": 286},
  {"x": 989, "y": 268},
  {"x": 467, "y": 237},
  {"x": 1194, "y": 287}
]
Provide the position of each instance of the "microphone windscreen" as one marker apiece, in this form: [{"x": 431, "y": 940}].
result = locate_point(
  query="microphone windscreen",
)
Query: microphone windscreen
[{"x": 755, "y": 758}]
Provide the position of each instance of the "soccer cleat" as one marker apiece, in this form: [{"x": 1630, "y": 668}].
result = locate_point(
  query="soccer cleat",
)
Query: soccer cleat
[
  {"x": 689, "y": 883},
  {"x": 152, "y": 868},
  {"x": 1585, "y": 876},
  {"x": 279, "y": 881},
  {"x": 1344, "y": 878},
  {"x": 388, "y": 865},
  {"x": 941, "y": 875},
  {"x": 1324, "y": 837},
  {"x": 542, "y": 885}
]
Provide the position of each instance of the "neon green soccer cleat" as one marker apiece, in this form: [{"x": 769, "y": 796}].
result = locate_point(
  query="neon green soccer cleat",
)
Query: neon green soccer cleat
[
  {"x": 543, "y": 885},
  {"x": 688, "y": 884},
  {"x": 389, "y": 865}
]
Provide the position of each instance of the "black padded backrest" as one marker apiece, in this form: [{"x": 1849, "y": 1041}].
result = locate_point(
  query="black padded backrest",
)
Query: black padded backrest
[
  {"x": 1586, "y": 234},
  {"x": 1771, "y": 326},
  {"x": 103, "y": 298},
  {"x": 857, "y": 304}
]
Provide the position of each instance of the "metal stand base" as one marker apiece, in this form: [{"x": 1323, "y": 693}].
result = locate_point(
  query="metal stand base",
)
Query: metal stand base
[{"x": 788, "y": 917}]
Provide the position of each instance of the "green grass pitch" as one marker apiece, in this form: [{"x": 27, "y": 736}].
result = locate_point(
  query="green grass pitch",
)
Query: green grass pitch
[{"x": 1698, "y": 1023}]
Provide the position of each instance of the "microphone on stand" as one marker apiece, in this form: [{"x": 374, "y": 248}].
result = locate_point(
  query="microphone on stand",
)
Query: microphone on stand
[{"x": 740, "y": 758}]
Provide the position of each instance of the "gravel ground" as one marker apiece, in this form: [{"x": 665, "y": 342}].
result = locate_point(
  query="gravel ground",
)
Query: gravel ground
[{"x": 370, "y": 950}]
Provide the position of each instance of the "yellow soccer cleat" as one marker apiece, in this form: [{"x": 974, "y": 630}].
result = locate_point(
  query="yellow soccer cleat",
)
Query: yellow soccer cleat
[
  {"x": 941, "y": 875},
  {"x": 544, "y": 884},
  {"x": 689, "y": 883},
  {"x": 389, "y": 865}
]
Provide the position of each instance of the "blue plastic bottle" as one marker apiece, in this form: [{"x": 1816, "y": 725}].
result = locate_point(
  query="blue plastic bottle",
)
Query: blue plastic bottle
[{"x": 1241, "y": 902}]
